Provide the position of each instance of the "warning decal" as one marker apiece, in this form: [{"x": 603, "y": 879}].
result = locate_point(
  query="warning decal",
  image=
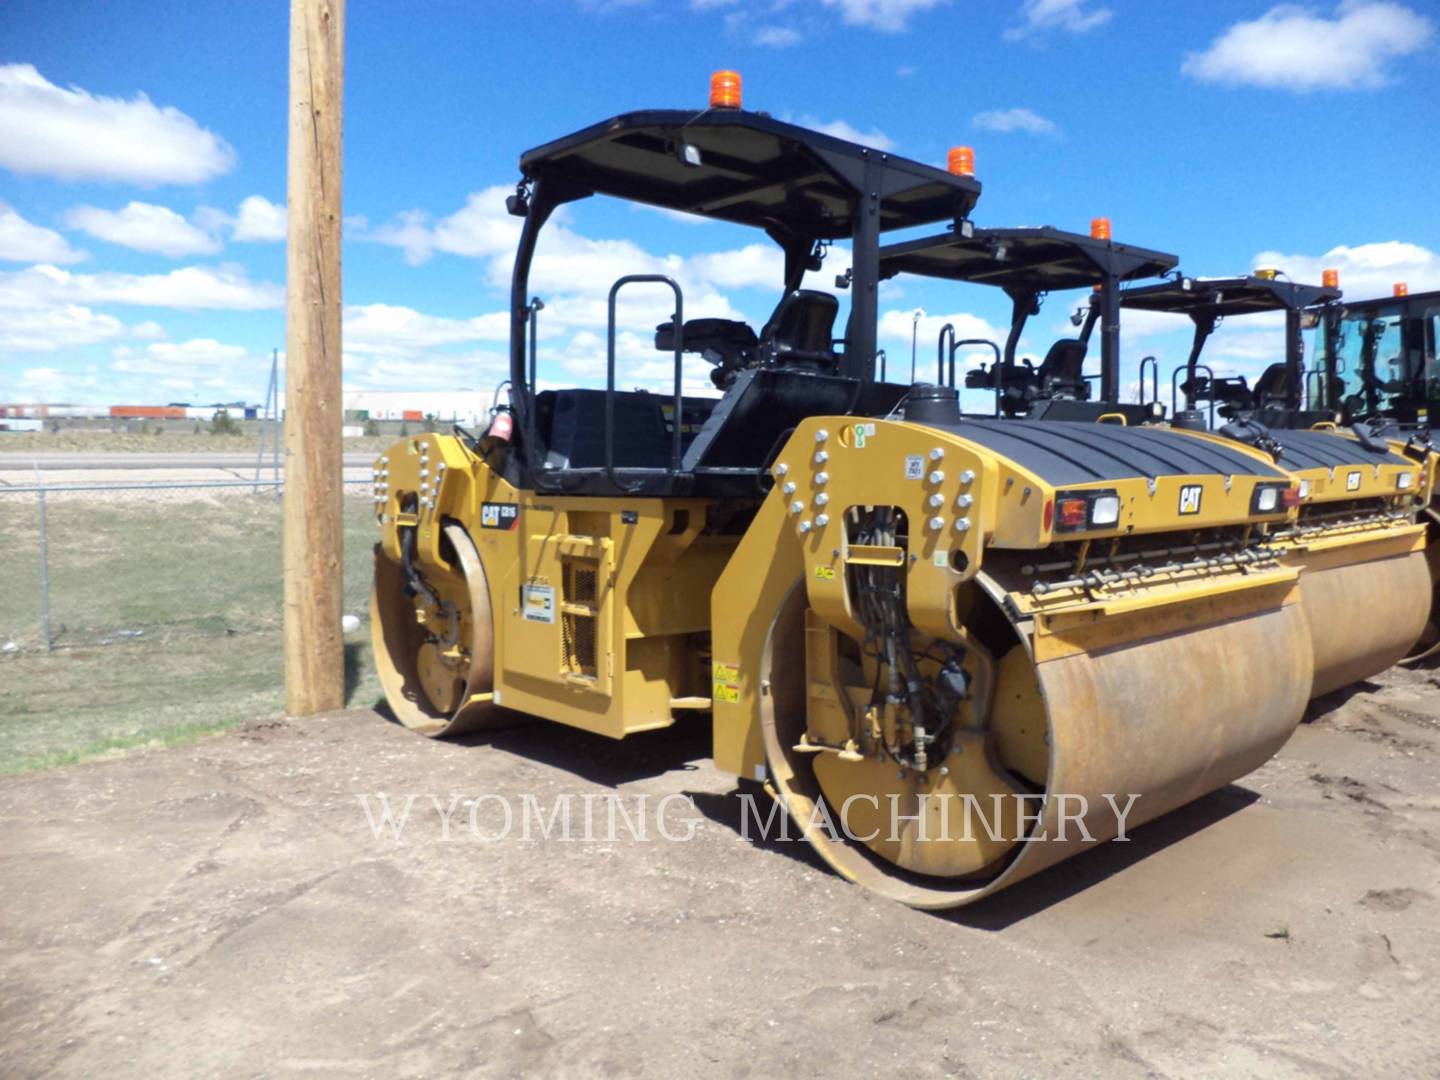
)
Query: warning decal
[{"x": 726, "y": 682}]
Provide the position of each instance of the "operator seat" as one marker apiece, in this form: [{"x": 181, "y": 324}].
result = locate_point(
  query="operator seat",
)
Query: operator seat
[
  {"x": 1272, "y": 387},
  {"x": 802, "y": 328},
  {"x": 1062, "y": 372}
]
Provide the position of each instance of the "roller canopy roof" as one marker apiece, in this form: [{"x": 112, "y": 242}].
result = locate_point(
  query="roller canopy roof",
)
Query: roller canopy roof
[
  {"x": 752, "y": 170},
  {"x": 1039, "y": 259},
  {"x": 1219, "y": 297}
]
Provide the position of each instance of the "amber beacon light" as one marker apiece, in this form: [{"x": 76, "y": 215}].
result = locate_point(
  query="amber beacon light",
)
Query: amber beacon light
[
  {"x": 1100, "y": 228},
  {"x": 1401, "y": 289},
  {"x": 1330, "y": 279},
  {"x": 961, "y": 161},
  {"x": 725, "y": 90}
]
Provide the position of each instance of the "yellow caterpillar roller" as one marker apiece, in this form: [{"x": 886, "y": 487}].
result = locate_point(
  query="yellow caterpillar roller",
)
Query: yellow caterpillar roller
[
  {"x": 956, "y": 650},
  {"x": 1356, "y": 539},
  {"x": 1377, "y": 365}
]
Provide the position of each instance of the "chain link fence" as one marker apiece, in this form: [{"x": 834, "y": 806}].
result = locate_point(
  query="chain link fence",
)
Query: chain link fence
[{"x": 136, "y": 612}]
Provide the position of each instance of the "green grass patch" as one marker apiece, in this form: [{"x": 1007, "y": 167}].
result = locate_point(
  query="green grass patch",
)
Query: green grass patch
[
  {"x": 75, "y": 704},
  {"x": 166, "y": 616}
]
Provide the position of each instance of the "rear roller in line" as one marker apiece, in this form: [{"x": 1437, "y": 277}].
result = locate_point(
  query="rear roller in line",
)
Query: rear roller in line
[
  {"x": 1366, "y": 617},
  {"x": 1428, "y": 644}
]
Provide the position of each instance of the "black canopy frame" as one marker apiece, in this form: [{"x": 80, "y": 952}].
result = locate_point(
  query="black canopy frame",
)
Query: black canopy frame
[
  {"x": 1207, "y": 301},
  {"x": 803, "y": 188},
  {"x": 1028, "y": 263}
]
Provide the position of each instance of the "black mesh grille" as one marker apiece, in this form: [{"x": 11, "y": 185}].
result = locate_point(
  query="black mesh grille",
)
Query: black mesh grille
[{"x": 578, "y": 638}]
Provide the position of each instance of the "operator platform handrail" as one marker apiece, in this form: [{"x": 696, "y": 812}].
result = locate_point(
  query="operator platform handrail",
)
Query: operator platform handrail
[
  {"x": 1175, "y": 388},
  {"x": 678, "y": 323}
]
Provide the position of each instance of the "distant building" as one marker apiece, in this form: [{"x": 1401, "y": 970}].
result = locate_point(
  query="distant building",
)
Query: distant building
[{"x": 470, "y": 408}]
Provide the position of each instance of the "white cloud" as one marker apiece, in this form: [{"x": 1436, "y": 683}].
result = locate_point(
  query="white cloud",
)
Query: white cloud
[
  {"x": 144, "y": 227},
  {"x": 480, "y": 229},
  {"x": 460, "y": 372},
  {"x": 258, "y": 220},
  {"x": 1136, "y": 323},
  {"x": 20, "y": 241},
  {"x": 187, "y": 359},
  {"x": 889, "y": 16},
  {"x": 843, "y": 129},
  {"x": 191, "y": 287},
  {"x": 48, "y": 329},
  {"x": 71, "y": 134},
  {"x": 1294, "y": 48},
  {"x": 388, "y": 329},
  {"x": 46, "y": 384},
  {"x": 754, "y": 266},
  {"x": 778, "y": 37},
  {"x": 1007, "y": 120},
  {"x": 1366, "y": 270},
  {"x": 1071, "y": 16},
  {"x": 1247, "y": 342},
  {"x": 147, "y": 331}
]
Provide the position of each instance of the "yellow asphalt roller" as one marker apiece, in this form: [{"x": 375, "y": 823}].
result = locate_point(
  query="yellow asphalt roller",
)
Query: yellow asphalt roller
[
  {"x": 1115, "y": 651},
  {"x": 1360, "y": 552},
  {"x": 1356, "y": 540},
  {"x": 974, "y": 647}
]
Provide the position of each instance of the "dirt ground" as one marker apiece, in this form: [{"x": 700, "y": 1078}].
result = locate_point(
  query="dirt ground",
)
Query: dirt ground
[{"x": 225, "y": 908}]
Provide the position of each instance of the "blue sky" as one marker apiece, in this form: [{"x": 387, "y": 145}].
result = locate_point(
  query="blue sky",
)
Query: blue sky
[{"x": 142, "y": 167}]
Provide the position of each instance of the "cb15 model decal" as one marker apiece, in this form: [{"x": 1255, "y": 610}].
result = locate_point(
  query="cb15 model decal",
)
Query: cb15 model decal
[{"x": 499, "y": 515}]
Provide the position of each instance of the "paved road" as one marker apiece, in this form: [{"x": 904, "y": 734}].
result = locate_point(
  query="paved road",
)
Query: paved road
[{"x": 122, "y": 460}]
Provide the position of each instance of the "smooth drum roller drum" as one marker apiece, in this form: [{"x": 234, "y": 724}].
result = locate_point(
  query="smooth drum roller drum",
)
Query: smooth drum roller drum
[
  {"x": 1108, "y": 738},
  {"x": 939, "y": 730},
  {"x": 433, "y": 638}
]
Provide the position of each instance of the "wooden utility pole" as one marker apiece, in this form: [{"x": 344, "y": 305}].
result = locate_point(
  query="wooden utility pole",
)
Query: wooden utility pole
[{"x": 314, "y": 649}]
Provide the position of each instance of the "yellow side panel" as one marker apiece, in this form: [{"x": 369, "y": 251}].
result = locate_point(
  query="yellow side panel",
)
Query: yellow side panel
[{"x": 766, "y": 565}]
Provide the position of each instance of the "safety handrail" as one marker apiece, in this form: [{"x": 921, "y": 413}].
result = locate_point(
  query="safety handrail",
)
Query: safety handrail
[
  {"x": 1175, "y": 388},
  {"x": 677, "y": 321},
  {"x": 948, "y": 330},
  {"x": 955, "y": 347},
  {"x": 1154, "y": 365}
]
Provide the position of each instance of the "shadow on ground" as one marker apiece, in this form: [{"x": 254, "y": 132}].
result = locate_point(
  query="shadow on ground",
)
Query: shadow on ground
[
  {"x": 1075, "y": 875},
  {"x": 745, "y": 809},
  {"x": 596, "y": 758},
  {"x": 1336, "y": 699}
]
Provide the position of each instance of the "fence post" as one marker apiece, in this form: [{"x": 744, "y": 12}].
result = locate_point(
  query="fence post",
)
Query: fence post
[{"x": 44, "y": 566}]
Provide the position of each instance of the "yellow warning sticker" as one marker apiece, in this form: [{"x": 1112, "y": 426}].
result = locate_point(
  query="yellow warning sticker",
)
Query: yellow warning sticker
[
  {"x": 825, "y": 573},
  {"x": 726, "y": 683}
]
